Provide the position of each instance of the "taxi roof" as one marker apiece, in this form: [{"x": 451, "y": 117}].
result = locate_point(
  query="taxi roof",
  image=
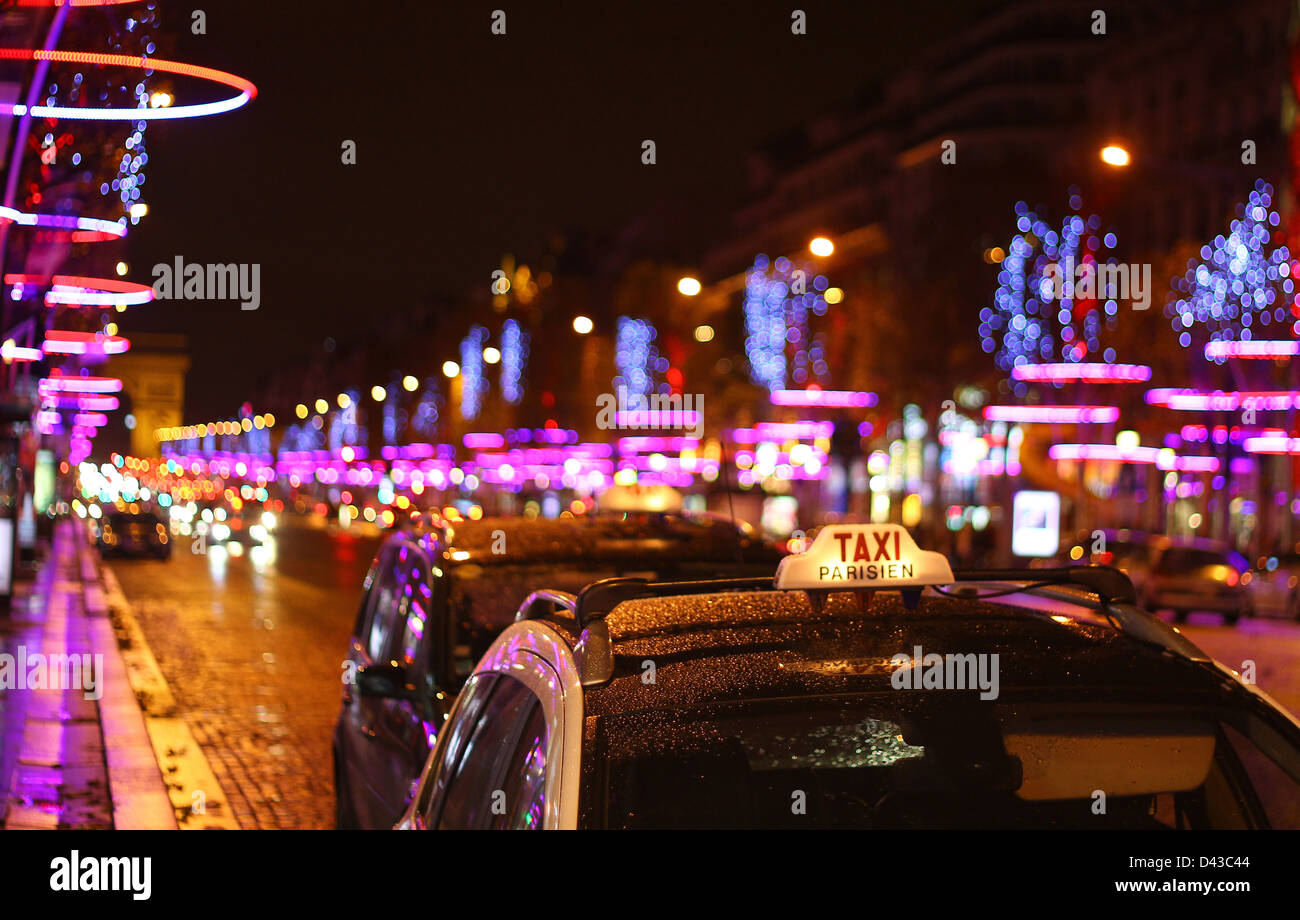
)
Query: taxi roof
[{"x": 766, "y": 644}]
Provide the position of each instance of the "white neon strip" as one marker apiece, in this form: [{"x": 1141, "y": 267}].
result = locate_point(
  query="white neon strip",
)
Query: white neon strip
[
  {"x": 143, "y": 114},
  {"x": 1257, "y": 348},
  {"x": 60, "y": 222},
  {"x": 1054, "y": 415}
]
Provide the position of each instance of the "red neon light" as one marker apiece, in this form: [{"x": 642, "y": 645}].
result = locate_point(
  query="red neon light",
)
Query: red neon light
[{"x": 245, "y": 87}]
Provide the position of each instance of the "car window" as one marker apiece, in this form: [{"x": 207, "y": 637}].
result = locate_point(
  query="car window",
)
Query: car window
[
  {"x": 884, "y": 762},
  {"x": 1277, "y": 793},
  {"x": 475, "y": 795},
  {"x": 387, "y": 591},
  {"x": 415, "y": 602},
  {"x": 452, "y": 740},
  {"x": 525, "y": 781}
]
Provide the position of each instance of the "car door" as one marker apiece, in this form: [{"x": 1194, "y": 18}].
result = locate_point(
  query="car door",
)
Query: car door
[
  {"x": 409, "y": 723},
  {"x": 371, "y": 753},
  {"x": 495, "y": 772}
]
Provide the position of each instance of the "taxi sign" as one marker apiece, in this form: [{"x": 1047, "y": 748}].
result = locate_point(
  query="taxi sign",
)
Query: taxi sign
[
  {"x": 655, "y": 499},
  {"x": 872, "y": 557}
]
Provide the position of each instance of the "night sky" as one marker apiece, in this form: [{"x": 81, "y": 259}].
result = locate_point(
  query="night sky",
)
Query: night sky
[{"x": 469, "y": 145}]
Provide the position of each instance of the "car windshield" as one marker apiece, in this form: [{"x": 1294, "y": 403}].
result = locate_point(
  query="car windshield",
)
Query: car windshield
[{"x": 927, "y": 761}]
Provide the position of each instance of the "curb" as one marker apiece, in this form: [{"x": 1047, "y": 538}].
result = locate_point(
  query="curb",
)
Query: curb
[{"x": 182, "y": 791}]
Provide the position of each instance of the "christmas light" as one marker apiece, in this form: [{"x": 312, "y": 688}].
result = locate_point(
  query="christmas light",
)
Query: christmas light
[
  {"x": 63, "y": 342},
  {"x": 473, "y": 383},
  {"x": 1038, "y": 314},
  {"x": 1054, "y": 415},
  {"x": 247, "y": 91},
  {"x": 1161, "y": 457},
  {"x": 1081, "y": 373},
  {"x": 825, "y": 399},
  {"x": 82, "y": 229},
  {"x": 80, "y": 385},
  {"x": 1240, "y": 287},
  {"x": 1254, "y": 348},
  {"x": 1187, "y": 400},
  {"x": 514, "y": 358}
]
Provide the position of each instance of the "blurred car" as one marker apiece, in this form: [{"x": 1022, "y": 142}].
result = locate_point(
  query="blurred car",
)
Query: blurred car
[
  {"x": 1130, "y": 551},
  {"x": 1275, "y": 586},
  {"x": 809, "y": 702},
  {"x": 435, "y": 600},
  {"x": 133, "y": 533},
  {"x": 1197, "y": 575}
]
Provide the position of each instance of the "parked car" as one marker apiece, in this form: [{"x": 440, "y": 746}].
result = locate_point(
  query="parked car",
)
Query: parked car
[
  {"x": 435, "y": 601},
  {"x": 1130, "y": 551},
  {"x": 1275, "y": 586},
  {"x": 133, "y": 533},
  {"x": 859, "y": 689},
  {"x": 1195, "y": 574}
]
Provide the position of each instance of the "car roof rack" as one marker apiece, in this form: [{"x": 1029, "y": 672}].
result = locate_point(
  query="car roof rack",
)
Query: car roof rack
[
  {"x": 1105, "y": 581},
  {"x": 594, "y": 653}
]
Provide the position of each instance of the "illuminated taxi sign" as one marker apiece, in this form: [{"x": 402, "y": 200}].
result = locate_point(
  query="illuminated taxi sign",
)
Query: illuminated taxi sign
[{"x": 878, "y": 557}]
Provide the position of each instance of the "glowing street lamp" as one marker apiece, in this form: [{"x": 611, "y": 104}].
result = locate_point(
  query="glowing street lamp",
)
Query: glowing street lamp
[
  {"x": 688, "y": 286},
  {"x": 409, "y": 383},
  {"x": 582, "y": 325},
  {"x": 820, "y": 246},
  {"x": 378, "y": 393},
  {"x": 1113, "y": 155},
  {"x": 450, "y": 369},
  {"x": 491, "y": 355}
]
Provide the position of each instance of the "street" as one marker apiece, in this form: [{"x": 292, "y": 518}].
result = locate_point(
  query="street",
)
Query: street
[{"x": 251, "y": 648}]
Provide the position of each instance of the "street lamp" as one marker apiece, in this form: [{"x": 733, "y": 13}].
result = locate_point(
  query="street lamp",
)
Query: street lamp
[
  {"x": 491, "y": 355},
  {"x": 1114, "y": 155},
  {"x": 409, "y": 383},
  {"x": 820, "y": 246},
  {"x": 378, "y": 393},
  {"x": 450, "y": 368},
  {"x": 688, "y": 286},
  {"x": 582, "y": 325}
]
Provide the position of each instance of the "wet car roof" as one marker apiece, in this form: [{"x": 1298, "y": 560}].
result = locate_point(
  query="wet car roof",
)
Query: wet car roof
[
  {"x": 607, "y": 538},
  {"x": 755, "y": 645}
]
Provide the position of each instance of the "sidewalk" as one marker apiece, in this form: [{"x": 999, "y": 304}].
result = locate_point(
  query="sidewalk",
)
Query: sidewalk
[{"x": 81, "y": 755}]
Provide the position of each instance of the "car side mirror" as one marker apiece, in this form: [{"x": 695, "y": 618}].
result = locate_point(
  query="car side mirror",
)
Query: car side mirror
[{"x": 383, "y": 680}]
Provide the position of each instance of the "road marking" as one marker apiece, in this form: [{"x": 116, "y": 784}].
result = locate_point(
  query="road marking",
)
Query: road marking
[{"x": 189, "y": 777}]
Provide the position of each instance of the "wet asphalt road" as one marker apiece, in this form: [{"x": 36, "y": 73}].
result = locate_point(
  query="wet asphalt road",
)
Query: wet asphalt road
[{"x": 252, "y": 647}]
